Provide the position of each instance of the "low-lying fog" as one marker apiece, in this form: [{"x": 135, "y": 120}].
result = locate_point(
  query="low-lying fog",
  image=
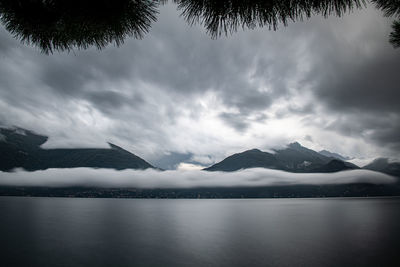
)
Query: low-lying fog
[{"x": 183, "y": 179}]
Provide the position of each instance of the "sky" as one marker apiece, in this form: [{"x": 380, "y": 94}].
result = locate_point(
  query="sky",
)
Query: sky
[{"x": 180, "y": 99}]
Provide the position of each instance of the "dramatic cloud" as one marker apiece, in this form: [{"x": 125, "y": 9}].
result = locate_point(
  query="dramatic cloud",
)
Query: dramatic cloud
[
  {"x": 179, "y": 96},
  {"x": 188, "y": 178}
]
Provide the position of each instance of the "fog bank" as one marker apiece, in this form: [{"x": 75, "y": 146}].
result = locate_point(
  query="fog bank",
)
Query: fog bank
[{"x": 150, "y": 178}]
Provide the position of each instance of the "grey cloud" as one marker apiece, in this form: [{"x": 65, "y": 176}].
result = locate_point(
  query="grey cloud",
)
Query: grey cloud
[
  {"x": 184, "y": 179},
  {"x": 171, "y": 160},
  {"x": 64, "y": 76},
  {"x": 388, "y": 135},
  {"x": 368, "y": 83},
  {"x": 247, "y": 101},
  {"x": 380, "y": 128},
  {"x": 308, "y": 138},
  {"x": 356, "y": 82},
  {"x": 237, "y": 121},
  {"x": 306, "y": 109},
  {"x": 109, "y": 101},
  {"x": 241, "y": 121}
]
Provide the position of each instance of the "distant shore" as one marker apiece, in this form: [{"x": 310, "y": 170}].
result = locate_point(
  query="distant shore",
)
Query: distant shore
[{"x": 294, "y": 191}]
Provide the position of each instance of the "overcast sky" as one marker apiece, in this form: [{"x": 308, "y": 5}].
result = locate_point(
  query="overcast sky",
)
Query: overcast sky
[{"x": 178, "y": 95}]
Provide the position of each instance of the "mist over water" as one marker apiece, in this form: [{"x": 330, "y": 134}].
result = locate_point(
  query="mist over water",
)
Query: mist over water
[{"x": 184, "y": 179}]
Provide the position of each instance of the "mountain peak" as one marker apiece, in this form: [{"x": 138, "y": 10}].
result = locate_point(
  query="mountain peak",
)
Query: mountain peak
[
  {"x": 295, "y": 145},
  {"x": 384, "y": 165},
  {"x": 378, "y": 164},
  {"x": 252, "y": 158},
  {"x": 112, "y": 146},
  {"x": 298, "y": 147},
  {"x": 254, "y": 150},
  {"x": 294, "y": 158}
]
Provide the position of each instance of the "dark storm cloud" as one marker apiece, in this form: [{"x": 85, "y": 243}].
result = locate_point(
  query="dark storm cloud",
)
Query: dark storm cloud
[
  {"x": 237, "y": 121},
  {"x": 247, "y": 101},
  {"x": 295, "y": 109},
  {"x": 363, "y": 82},
  {"x": 65, "y": 76},
  {"x": 358, "y": 84},
  {"x": 382, "y": 129},
  {"x": 307, "y": 109},
  {"x": 388, "y": 135},
  {"x": 242, "y": 120},
  {"x": 109, "y": 101}
]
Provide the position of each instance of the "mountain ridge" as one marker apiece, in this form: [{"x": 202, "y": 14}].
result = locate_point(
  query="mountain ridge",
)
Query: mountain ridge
[
  {"x": 21, "y": 149},
  {"x": 333, "y": 155},
  {"x": 293, "y": 158},
  {"x": 383, "y": 165}
]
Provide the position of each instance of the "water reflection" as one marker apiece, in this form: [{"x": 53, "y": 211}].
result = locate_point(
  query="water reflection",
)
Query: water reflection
[{"x": 284, "y": 232}]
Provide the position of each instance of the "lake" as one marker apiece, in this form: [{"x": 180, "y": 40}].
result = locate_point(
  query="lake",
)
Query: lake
[{"x": 234, "y": 232}]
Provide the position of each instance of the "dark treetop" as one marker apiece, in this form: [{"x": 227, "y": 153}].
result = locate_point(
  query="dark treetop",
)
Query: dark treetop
[{"x": 67, "y": 24}]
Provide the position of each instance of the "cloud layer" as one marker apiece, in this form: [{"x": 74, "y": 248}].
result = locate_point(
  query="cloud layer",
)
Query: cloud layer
[{"x": 184, "y": 179}]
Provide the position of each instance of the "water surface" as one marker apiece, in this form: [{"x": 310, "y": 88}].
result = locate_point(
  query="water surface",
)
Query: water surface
[{"x": 143, "y": 232}]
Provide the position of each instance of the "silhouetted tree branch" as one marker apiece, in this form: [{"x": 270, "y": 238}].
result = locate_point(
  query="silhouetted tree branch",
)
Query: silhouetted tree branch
[
  {"x": 391, "y": 8},
  {"x": 226, "y": 16},
  {"x": 395, "y": 34},
  {"x": 66, "y": 24}
]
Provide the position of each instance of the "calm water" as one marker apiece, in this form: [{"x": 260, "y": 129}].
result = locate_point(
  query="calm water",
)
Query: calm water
[{"x": 131, "y": 232}]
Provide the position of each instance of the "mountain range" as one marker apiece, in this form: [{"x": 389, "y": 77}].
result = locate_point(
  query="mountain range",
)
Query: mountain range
[
  {"x": 21, "y": 148},
  {"x": 333, "y": 155},
  {"x": 293, "y": 158},
  {"x": 385, "y": 166}
]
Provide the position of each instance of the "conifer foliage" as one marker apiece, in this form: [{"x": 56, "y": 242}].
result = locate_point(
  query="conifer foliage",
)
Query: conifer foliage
[{"x": 67, "y": 24}]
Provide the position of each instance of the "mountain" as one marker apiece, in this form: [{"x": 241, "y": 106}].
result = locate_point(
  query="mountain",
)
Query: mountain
[
  {"x": 297, "y": 158},
  {"x": 383, "y": 165},
  {"x": 294, "y": 158},
  {"x": 335, "y": 165},
  {"x": 333, "y": 155},
  {"x": 20, "y": 148},
  {"x": 247, "y": 159}
]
